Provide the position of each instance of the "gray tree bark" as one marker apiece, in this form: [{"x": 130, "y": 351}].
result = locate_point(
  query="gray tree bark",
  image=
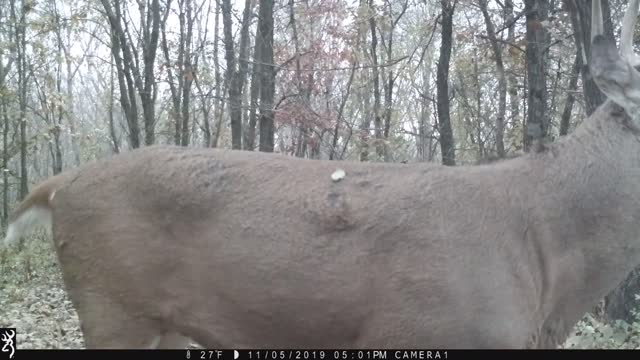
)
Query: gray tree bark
[
  {"x": 236, "y": 75},
  {"x": 254, "y": 95},
  {"x": 142, "y": 80},
  {"x": 20, "y": 24},
  {"x": 514, "y": 101},
  {"x": 377, "y": 120},
  {"x": 537, "y": 14},
  {"x": 447, "y": 145},
  {"x": 364, "y": 94},
  {"x": 267, "y": 76},
  {"x": 4, "y": 71},
  {"x": 502, "y": 82},
  {"x": 565, "y": 118},
  {"x": 390, "y": 76}
]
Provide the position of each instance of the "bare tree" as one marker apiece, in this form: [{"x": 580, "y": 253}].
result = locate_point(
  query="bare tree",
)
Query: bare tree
[
  {"x": 51, "y": 109},
  {"x": 115, "y": 142},
  {"x": 188, "y": 71},
  {"x": 132, "y": 75},
  {"x": 220, "y": 84},
  {"x": 64, "y": 40},
  {"x": 235, "y": 76},
  {"x": 254, "y": 96},
  {"x": 390, "y": 76},
  {"x": 377, "y": 120},
  {"x": 5, "y": 68},
  {"x": 447, "y": 144},
  {"x": 565, "y": 118},
  {"x": 364, "y": 97},
  {"x": 580, "y": 12},
  {"x": 18, "y": 19},
  {"x": 502, "y": 82},
  {"x": 267, "y": 76},
  {"x": 424, "y": 136},
  {"x": 537, "y": 13},
  {"x": 176, "y": 90},
  {"x": 339, "y": 117},
  {"x": 304, "y": 94},
  {"x": 185, "y": 65},
  {"x": 514, "y": 101}
]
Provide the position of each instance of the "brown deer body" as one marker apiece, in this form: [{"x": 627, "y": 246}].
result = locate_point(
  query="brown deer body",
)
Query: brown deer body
[{"x": 246, "y": 249}]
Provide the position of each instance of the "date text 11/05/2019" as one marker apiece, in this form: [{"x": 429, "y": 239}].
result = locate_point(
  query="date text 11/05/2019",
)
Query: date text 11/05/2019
[
  {"x": 343, "y": 354},
  {"x": 317, "y": 354}
]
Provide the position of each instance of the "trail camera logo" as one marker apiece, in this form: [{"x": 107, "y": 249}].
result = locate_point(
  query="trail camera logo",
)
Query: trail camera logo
[{"x": 8, "y": 341}]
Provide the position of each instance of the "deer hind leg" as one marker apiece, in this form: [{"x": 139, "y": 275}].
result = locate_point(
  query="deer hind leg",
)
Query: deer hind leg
[
  {"x": 173, "y": 340},
  {"x": 108, "y": 325},
  {"x": 170, "y": 340}
]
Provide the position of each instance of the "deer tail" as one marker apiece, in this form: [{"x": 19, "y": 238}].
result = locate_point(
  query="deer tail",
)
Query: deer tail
[{"x": 33, "y": 212}]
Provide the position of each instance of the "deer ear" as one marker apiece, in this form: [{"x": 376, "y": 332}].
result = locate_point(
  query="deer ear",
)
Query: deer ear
[{"x": 615, "y": 77}]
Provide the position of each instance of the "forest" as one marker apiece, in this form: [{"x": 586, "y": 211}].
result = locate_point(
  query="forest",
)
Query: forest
[{"x": 449, "y": 82}]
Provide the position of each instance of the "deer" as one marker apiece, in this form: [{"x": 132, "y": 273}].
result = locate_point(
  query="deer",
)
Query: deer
[{"x": 164, "y": 245}]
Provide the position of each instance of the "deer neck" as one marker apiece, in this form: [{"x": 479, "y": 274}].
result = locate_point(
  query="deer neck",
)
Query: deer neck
[{"x": 589, "y": 216}]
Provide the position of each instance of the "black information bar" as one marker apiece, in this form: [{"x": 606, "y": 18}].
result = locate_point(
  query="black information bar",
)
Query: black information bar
[{"x": 326, "y": 354}]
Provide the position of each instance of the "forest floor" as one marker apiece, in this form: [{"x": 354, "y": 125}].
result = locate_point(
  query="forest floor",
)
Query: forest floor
[
  {"x": 34, "y": 301},
  {"x": 33, "y": 298}
]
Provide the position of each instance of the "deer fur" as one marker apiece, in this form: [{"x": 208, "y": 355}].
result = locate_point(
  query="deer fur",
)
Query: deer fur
[{"x": 245, "y": 249}]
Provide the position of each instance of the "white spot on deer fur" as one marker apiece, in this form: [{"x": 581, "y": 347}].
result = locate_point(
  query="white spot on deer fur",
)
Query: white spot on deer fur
[
  {"x": 27, "y": 222},
  {"x": 53, "y": 193},
  {"x": 338, "y": 175}
]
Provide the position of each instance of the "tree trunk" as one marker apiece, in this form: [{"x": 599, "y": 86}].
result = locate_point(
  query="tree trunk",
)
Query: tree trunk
[
  {"x": 21, "y": 46},
  {"x": 243, "y": 64},
  {"x": 69, "y": 110},
  {"x": 204, "y": 94},
  {"x": 236, "y": 77},
  {"x": 219, "y": 109},
  {"x": 345, "y": 97},
  {"x": 425, "y": 133},
  {"x": 57, "y": 126},
  {"x": 391, "y": 76},
  {"x": 174, "y": 90},
  {"x": 267, "y": 78},
  {"x": 4, "y": 71},
  {"x": 537, "y": 12},
  {"x": 230, "y": 57},
  {"x": 125, "y": 78},
  {"x": 301, "y": 143},
  {"x": 71, "y": 114},
  {"x": 514, "y": 101},
  {"x": 364, "y": 95},
  {"x": 502, "y": 83},
  {"x": 565, "y": 118},
  {"x": 129, "y": 67},
  {"x": 447, "y": 145},
  {"x": 5, "y": 157},
  {"x": 480, "y": 117},
  {"x": 254, "y": 94},
  {"x": 377, "y": 121},
  {"x": 112, "y": 128},
  {"x": 149, "y": 92},
  {"x": 187, "y": 72}
]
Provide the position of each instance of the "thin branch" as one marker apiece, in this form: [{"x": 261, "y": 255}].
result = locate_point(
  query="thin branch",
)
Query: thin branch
[
  {"x": 281, "y": 67},
  {"x": 485, "y": 37}
]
